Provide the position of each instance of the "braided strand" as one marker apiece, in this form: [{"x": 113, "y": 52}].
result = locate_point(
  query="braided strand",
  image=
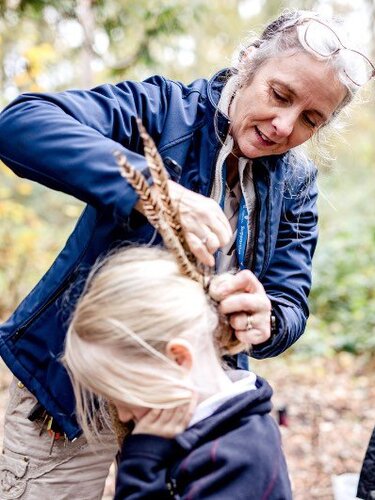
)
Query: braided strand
[
  {"x": 160, "y": 177},
  {"x": 156, "y": 166},
  {"x": 154, "y": 213},
  {"x": 150, "y": 205}
]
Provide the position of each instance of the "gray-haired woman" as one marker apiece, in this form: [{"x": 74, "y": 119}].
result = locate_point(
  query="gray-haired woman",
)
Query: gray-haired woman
[{"x": 247, "y": 202}]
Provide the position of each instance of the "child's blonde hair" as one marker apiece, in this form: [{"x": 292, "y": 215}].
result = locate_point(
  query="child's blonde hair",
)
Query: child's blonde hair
[{"x": 133, "y": 304}]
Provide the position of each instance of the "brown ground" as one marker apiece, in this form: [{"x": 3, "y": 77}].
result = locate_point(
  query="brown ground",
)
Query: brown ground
[
  {"x": 331, "y": 409},
  {"x": 331, "y": 413}
]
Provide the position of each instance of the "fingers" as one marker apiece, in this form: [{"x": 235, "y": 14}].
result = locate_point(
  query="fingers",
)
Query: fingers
[
  {"x": 197, "y": 210},
  {"x": 251, "y": 329},
  {"x": 219, "y": 224},
  {"x": 253, "y": 337},
  {"x": 243, "y": 299},
  {"x": 244, "y": 306},
  {"x": 199, "y": 249},
  {"x": 228, "y": 284},
  {"x": 202, "y": 219},
  {"x": 239, "y": 321},
  {"x": 211, "y": 241},
  {"x": 246, "y": 302},
  {"x": 244, "y": 281},
  {"x": 167, "y": 422},
  {"x": 177, "y": 418}
]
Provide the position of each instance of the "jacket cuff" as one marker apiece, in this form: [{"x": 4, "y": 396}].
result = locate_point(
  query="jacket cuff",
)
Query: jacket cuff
[{"x": 278, "y": 331}]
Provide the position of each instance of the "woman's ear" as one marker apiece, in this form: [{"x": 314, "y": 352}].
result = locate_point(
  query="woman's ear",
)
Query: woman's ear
[{"x": 181, "y": 352}]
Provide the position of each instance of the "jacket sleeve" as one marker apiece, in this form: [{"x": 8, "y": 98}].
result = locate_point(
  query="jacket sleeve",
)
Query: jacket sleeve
[
  {"x": 142, "y": 471},
  {"x": 66, "y": 140},
  {"x": 288, "y": 278},
  {"x": 366, "y": 484},
  {"x": 248, "y": 466}
]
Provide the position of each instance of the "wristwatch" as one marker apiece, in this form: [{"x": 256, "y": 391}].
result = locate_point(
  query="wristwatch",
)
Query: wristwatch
[{"x": 274, "y": 329}]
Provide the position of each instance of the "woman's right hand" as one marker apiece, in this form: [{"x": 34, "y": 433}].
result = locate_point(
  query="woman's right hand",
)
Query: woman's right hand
[{"x": 205, "y": 225}]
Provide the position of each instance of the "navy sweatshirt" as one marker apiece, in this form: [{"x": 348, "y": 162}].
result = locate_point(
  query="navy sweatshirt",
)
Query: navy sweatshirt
[{"x": 233, "y": 454}]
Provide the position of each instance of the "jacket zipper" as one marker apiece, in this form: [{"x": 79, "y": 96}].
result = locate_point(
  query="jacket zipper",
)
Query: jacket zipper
[
  {"x": 249, "y": 253},
  {"x": 267, "y": 235},
  {"x": 257, "y": 224},
  {"x": 218, "y": 185},
  {"x": 213, "y": 169},
  {"x": 21, "y": 330}
]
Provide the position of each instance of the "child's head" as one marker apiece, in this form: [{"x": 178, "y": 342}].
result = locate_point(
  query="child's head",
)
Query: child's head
[{"x": 138, "y": 333}]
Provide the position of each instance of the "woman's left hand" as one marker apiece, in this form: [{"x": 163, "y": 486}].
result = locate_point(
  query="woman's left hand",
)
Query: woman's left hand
[{"x": 244, "y": 299}]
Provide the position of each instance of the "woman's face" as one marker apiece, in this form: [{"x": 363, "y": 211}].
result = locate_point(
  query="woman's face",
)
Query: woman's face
[{"x": 287, "y": 101}]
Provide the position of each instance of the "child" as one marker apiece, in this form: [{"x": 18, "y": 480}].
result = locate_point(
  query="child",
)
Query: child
[{"x": 147, "y": 338}]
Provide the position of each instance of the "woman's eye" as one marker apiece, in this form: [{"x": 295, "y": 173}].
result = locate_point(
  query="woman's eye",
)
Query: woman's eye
[
  {"x": 279, "y": 97},
  {"x": 309, "y": 122}
]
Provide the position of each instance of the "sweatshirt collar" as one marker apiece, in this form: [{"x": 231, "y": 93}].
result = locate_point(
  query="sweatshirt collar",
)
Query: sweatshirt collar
[
  {"x": 246, "y": 403},
  {"x": 207, "y": 407}
]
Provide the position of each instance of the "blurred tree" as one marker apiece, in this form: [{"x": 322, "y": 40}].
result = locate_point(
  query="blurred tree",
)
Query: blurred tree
[
  {"x": 64, "y": 43},
  {"x": 80, "y": 35}
]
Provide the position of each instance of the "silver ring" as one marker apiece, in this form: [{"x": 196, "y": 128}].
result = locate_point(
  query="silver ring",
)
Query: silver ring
[{"x": 249, "y": 324}]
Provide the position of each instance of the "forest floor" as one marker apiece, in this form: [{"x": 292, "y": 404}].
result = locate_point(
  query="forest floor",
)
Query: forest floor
[
  {"x": 330, "y": 409},
  {"x": 331, "y": 413}
]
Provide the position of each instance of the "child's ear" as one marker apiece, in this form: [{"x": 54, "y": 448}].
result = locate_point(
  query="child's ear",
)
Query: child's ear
[{"x": 180, "y": 351}]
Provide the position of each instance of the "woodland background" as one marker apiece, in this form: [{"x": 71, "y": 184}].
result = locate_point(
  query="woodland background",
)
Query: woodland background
[{"x": 326, "y": 380}]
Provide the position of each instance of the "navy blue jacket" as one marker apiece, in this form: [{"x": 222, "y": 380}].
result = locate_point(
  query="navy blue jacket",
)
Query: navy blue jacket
[
  {"x": 366, "y": 484},
  {"x": 233, "y": 454},
  {"x": 66, "y": 141}
]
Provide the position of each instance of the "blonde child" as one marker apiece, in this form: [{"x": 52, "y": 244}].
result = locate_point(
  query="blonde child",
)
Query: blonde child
[{"x": 149, "y": 340}]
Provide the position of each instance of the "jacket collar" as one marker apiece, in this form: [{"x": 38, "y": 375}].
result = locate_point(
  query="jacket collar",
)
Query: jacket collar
[
  {"x": 214, "y": 90},
  {"x": 249, "y": 403}
]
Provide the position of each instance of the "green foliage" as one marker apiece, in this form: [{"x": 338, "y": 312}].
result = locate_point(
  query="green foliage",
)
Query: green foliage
[
  {"x": 343, "y": 294},
  {"x": 88, "y": 41},
  {"x": 28, "y": 244}
]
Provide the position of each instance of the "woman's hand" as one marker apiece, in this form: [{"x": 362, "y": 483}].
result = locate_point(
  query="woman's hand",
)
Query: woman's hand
[
  {"x": 166, "y": 423},
  {"x": 244, "y": 299},
  {"x": 205, "y": 226}
]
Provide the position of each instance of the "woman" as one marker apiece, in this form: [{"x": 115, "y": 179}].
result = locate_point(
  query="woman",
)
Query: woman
[{"x": 231, "y": 139}]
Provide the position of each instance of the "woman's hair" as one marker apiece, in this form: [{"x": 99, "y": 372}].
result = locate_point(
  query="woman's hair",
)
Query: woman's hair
[
  {"x": 282, "y": 36},
  {"x": 133, "y": 304}
]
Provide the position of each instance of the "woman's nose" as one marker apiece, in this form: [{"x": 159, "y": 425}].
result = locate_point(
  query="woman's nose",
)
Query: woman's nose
[{"x": 284, "y": 122}]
